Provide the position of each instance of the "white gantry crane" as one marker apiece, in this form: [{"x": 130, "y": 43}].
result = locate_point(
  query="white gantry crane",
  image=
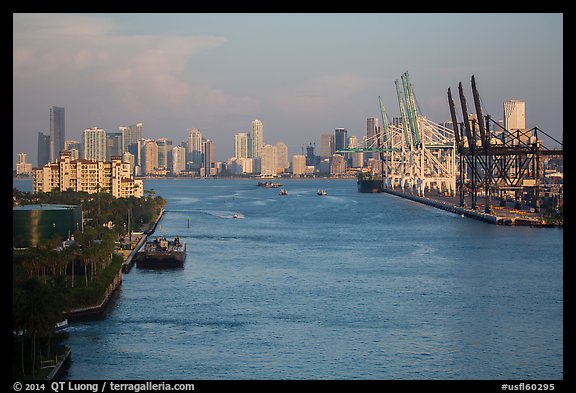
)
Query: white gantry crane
[{"x": 418, "y": 155}]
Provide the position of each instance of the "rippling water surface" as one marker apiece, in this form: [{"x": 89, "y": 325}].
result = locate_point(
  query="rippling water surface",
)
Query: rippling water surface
[{"x": 346, "y": 286}]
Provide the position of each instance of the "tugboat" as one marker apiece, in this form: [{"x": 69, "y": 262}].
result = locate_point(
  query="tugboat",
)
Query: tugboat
[{"x": 161, "y": 253}]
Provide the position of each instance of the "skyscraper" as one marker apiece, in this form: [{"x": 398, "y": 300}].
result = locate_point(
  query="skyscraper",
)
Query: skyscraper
[
  {"x": 268, "y": 164},
  {"x": 209, "y": 156},
  {"x": 57, "y": 132},
  {"x": 282, "y": 162},
  {"x": 94, "y": 140},
  {"x": 130, "y": 135},
  {"x": 113, "y": 144},
  {"x": 514, "y": 115},
  {"x": 164, "y": 152},
  {"x": 372, "y": 135},
  {"x": 178, "y": 159},
  {"x": 257, "y": 138},
  {"x": 241, "y": 145},
  {"x": 195, "y": 148},
  {"x": 150, "y": 159},
  {"x": 326, "y": 145},
  {"x": 340, "y": 139},
  {"x": 43, "y": 149}
]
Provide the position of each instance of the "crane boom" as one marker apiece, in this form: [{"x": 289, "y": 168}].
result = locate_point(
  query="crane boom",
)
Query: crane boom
[
  {"x": 405, "y": 125},
  {"x": 485, "y": 142},
  {"x": 469, "y": 135},
  {"x": 454, "y": 120},
  {"x": 385, "y": 123},
  {"x": 411, "y": 108}
]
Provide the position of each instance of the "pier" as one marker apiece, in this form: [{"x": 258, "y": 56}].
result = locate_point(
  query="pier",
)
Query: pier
[
  {"x": 129, "y": 260},
  {"x": 470, "y": 160},
  {"x": 501, "y": 215}
]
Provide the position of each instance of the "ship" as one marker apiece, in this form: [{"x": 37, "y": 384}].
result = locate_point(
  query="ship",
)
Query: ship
[
  {"x": 161, "y": 253},
  {"x": 368, "y": 182}
]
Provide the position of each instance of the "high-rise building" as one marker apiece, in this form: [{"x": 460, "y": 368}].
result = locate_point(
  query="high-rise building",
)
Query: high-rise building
[
  {"x": 164, "y": 152},
  {"x": 337, "y": 165},
  {"x": 268, "y": 163},
  {"x": 257, "y": 138},
  {"x": 150, "y": 157},
  {"x": 514, "y": 115},
  {"x": 282, "y": 161},
  {"x": 43, "y": 149},
  {"x": 130, "y": 135},
  {"x": 57, "y": 132},
  {"x": 241, "y": 145},
  {"x": 23, "y": 167},
  {"x": 74, "y": 147},
  {"x": 372, "y": 134},
  {"x": 340, "y": 139},
  {"x": 113, "y": 144},
  {"x": 326, "y": 145},
  {"x": 209, "y": 149},
  {"x": 94, "y": 141},
  {"x": 298, "y": 165},
  {"x": 178, "y": 160},
  {"x": 195, "y": 148},
  {"x": 310, "y": 156}
]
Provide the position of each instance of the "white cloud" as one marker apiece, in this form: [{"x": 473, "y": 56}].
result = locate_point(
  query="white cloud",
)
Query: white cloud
[{"x": 85, "y": 59}]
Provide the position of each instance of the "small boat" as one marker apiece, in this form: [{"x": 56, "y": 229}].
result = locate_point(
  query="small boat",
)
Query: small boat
[
  {"x": 321, "y": 192},
  {"x": 283, "y": 191},
  {"x": 61, "y": 325},
  {"x": 234, "y": 215}
]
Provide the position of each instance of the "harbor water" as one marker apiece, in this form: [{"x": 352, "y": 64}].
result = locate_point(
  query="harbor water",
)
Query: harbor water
[{"x": 342, "y": 286}]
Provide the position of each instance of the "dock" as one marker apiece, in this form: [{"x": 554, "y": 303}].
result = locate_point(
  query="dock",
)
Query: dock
[
  {"x": 61, "y": 364},
  {"x": 129, "y": 260},
  {"x": 500, "y": 215}
]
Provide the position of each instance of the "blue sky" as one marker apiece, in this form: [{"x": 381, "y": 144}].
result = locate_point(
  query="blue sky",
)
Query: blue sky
[{"x": 301, "y": 74}]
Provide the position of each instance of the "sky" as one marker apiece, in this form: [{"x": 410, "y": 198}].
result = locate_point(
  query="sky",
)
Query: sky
[{"x": 301, "y": 74}]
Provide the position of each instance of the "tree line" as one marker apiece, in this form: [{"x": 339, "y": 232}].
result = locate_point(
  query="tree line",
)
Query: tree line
[{"x": 50, "y": 279}]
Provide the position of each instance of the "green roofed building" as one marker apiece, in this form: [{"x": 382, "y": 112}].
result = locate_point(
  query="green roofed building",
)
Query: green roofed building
[{"x": 33, "y": 224}]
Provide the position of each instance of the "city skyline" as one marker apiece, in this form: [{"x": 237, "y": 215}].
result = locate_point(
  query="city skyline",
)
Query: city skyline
[{"x": 216, "y": 73}]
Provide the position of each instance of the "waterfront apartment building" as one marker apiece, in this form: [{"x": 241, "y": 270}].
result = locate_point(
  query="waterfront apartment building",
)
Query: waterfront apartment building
[
  {"x": 257, "y": 139},
  {"x": 57, "y": 132},
  {"x": 94, "y": 141},
  {"x": 112, "y": 177}
]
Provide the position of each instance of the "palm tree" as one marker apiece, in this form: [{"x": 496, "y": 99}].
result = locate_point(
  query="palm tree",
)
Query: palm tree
[{"x": 37, "y": 309}]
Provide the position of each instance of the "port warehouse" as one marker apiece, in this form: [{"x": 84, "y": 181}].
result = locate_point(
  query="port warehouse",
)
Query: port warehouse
[{"x": 33, "y": 224}]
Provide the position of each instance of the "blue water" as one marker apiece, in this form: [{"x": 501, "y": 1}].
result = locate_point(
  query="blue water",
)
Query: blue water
[{"x": 346, "y": 286}]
